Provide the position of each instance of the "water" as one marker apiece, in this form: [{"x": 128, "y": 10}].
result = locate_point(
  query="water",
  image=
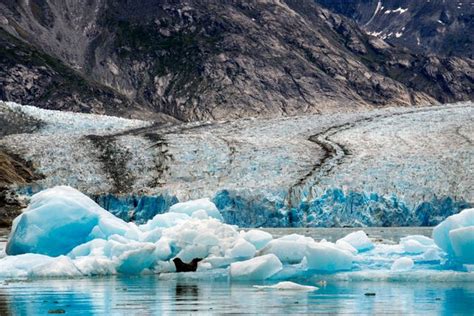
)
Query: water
[
  {"x": 179, "y": 294},
  {"x": 149, "y": 295}
]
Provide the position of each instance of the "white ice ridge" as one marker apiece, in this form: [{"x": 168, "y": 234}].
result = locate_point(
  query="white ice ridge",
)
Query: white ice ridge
[{"x": 65, "y": 233}]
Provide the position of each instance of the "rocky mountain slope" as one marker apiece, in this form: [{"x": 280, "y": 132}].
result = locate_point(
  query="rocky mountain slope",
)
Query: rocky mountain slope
[
  {"x": 195, "y": 60},
  {"x": 435, "y": 26}
]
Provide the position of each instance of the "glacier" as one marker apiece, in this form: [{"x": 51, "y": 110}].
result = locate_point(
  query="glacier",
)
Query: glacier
[
  {"x": 65, "y": 233},
  {"x": 383, "y": 167},
  {"x": 333, "y": 208}
]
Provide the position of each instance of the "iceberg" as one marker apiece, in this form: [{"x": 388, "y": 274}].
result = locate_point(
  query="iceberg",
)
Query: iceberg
[
  {"x": 417, "y": 244},
  {"x": 59, "y": 219},
  {"x": 31, "y": 264},
  {"x": 455, "y": 236},
  {"x": 289, "y": 249},
  {"x": 191, "y": 207},
  {"x": 327, "y": 257},
  {"x": 64, "y": 233},
  {"x": 462, "y": 242},
  {"x": 242, "y": 250},
  {"x": 259, "y": 268},
  {"x": 359, "y": 240},
  {"x": 257, "y": 238},
  {"x": 402, "y": 264}
]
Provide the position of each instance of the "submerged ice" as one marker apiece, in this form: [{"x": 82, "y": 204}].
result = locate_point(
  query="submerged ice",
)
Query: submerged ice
[{"x": 64, "y": 233}]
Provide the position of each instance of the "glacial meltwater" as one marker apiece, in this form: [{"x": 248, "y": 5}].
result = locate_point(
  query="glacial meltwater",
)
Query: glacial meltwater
[{"x": 194, "y": 293}]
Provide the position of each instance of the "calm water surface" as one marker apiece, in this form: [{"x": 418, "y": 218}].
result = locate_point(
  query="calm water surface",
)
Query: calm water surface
[
  {"x": 177, "y": 294},
  {"x": 149, "y": 295}
]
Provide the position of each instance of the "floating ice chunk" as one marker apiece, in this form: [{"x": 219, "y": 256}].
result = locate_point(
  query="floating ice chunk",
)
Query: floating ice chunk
[
  {"x": 327, "y": 257},
  {"x": 206, "y": 239},
  {"x": 114, "y": 255},
  {"x": 164, "y": 267},
  {"x": 188, "y": 235},
  {"x": 196, "y": 238},
  {"x": 288, "y": 286},
  {"x": 204, "y": 266},
  {"x": 430, "y": 255},
  {"x": 57, "y": 220},
  {"x": 417, "y": 244},
  {"x": 152, "y": 236},
  {"x": 92, "y": 248},
  {"x": 359, "y": 241},
  {"x": 200, "y": 214},
  {"x": 287, "y": 251},
  {"x": 20, "y": 266},
  {"x": 441, "y": 233},
  {"x": 37, "y": 265},
  {"x": 258, "y": 268},
  {"x": 242, "y": 250},
  {"x": 164, "y": 221},
  {"x": 257, "y": 237},
  {"x": 218, "y": 262},
  {"x": 190, "y": 252},
  {"x": 95, "y": 265},
  {"x": 344, "y": 245},
  {"x": 163, "y": 250},
  {"x": 462, "y": 242},
  {"x": 402, "y": 264},
  {"x": 61, "y": 266},
  {"x": 190, "y": 207},
  {"x": 135, "y": 260},
  {"x": 297, "y": 238},
  {"x": 469, "y": 267}
]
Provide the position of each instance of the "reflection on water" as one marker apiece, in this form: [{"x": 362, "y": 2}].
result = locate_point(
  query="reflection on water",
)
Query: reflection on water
[{"x": 149, "y": 295}]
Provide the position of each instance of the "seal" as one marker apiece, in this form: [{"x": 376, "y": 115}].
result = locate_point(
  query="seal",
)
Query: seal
[{"x": 186, "y": 267}]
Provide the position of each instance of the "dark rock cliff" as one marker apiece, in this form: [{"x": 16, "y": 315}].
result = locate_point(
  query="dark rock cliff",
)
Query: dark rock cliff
[{"x": 435, "y": 26}]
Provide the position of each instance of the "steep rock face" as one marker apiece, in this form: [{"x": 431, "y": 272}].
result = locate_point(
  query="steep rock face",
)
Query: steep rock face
[
  {"x": 13, "y": 171},
  {"x": 196, "y": 60},
  {"x": 436, "y": 26}
]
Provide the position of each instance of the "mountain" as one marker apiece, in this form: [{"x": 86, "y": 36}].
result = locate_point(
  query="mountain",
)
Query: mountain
[
  {"x": 199, "y": 60},
  {"x": 433, "y": 26}
]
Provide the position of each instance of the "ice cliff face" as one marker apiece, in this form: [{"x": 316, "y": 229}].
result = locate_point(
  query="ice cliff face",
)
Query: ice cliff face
[
  {"x": 195, "y": 60},
  {"x": 381, "y": 168}
]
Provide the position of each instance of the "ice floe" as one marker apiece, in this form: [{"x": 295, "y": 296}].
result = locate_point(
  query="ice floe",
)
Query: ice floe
[{"x": 287, "y": 286}]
